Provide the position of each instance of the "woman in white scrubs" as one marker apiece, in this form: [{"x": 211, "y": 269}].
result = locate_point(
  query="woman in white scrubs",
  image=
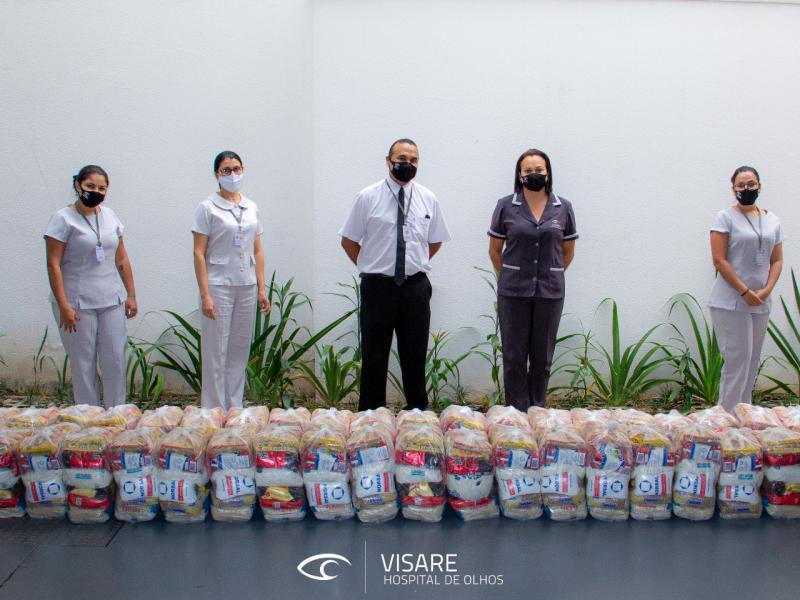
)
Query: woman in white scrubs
[
  {"x": 229, "y": 265},
  {"x": 747, "y": 250},
  {"x": 88, "y": 266}
]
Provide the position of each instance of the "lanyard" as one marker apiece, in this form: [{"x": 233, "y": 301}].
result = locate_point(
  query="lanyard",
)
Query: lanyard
[
  {"x": 759, "y": 233},
  {"x": 95, "y": 231},
  {"x": 408, "y": 204},
  {"x": 239, "y": 218}
]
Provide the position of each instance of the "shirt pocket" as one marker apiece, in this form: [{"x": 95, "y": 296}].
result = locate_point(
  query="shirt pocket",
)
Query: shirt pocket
[
  {"x": 510, "y": 280},
  {"x": 422, "y": 227}
]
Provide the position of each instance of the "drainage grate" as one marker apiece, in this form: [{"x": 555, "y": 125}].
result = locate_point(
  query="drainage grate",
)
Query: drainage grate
[{"x": 57, "y": 532}]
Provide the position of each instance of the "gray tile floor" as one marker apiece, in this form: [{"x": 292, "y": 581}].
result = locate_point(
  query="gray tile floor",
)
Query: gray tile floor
[{"x": 538, "y": 559}]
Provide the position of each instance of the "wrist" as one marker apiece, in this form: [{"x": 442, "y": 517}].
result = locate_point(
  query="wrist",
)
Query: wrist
[{"x": 744, "y": 293}]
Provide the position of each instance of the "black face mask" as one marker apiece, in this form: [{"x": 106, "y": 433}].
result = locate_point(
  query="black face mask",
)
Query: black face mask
[
  {"x": 747, "y": 197},
  {"x": 404, "y": 171},
  {"x": 534, "y": 181},
  {"x": 91, "y": 199}
]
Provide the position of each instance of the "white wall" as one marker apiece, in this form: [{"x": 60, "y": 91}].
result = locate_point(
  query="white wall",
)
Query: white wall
[
  {"x": 151, "y": 91},
  {"x": 645, "y": 108}
]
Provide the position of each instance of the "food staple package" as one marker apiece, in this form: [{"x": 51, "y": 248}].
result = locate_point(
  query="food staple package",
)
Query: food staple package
[
  {"x": 608, "y": 473},
  {"x": 205, "y": 421},
  {"x": 653, "y": 473},
  {"x": 507, "y": 416},
  {"x": 165, "y": 418},
  {"x": 694, "y": 490},
  {"x": 279, "y": 478},
  {"x": 332, "y": 417},
  {"x": 85, "y": 458},
  {"x": 7, "y": 413},
  {"x": 563, "y": 473},
  {"x": 33, "y": 418},
  {"x": 741, "y": 475},
  {"x": 39, "y": 461},
  {"x": 371, "y": 454},
  {"x": 290, "y": 417},
  {"x": 672, "y": 424},
  {"x": 182, "y": 476},
  {"x": 789, "y": 416},
  {"x": 326, "y": 472},
  {"x": 515, "y": 456},
  {"x": 231, "y": 467},
  {"x": 90, "y": 505},
  {"x": 250, "y": 419},
  {"x": 80, "y": 414},
  {"x": 456, "y": 416},
  {"x": 781, "y": 488},
  {"x": 379, "y": 416},
  {"x": 470, "y": 474},
  {"x": 419, "y": 469},
  {"x": 716, "y": 417},
  {"x": 756, "y": 417},
  {"x": 12, "y": 491},
  {"x": 415, "y": 416},
  {"x": 133, "y": 456},
  {"x": 124, "y": 416}
]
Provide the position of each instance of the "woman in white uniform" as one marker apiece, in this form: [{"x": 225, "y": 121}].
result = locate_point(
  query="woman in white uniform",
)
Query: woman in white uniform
[
  {"x": 747, "y": 250},
  {"x": 88, "y": 266},
  {"x": 229, "y": 265}
]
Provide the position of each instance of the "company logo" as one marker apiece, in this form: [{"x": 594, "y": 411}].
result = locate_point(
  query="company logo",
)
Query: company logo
[{"x": 319, "y": 570}]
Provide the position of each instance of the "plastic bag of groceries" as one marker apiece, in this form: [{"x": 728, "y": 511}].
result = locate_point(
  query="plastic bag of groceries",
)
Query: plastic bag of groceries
[
  {"x": 608, "y": 473},
  {"x": 789, "y": 416},
  {"x": 40, "y": 467},
  {"x": 165, "y": 418},
  {"x": 205, "y": 421},
  {"x": 694, "y": 491},
  {"x": 80, "y": 414},
  {"x": 124, "y": 416},
  {"x": 326, "y": 472},
  {"x": 562, "y": 456},
  {"x": 133, "y": 456},
  {"x": 456, "y": 416},
  {"x": 33, "y": 418},
  {"x": 581, "y": 416},
  {"x": 419, "y": 469},
  {"x": 290, "y": 417},
  {"x": 371, "y": 455},
  {"x": 631, "y": 416},
  {"x": 653, "y": 473},
  {"x": 7, "y": 413},
  {"x": 250, "y": 419},
  {"x": 87, "y": 474},
  {"x": 740, "y": 479},
  {"x": 781, "y": 489},
  {"x": 182, "y": 476},
  {"x": 672, "y": 424},
  {"x": 415, "y": 416},
  {"x": 507, "y": 416},
  {"x": 470, "y": 474},
  {"x": 231, "y": 467},
  {"x": 381, "y": 415},
  {"x": 756, "y": 417},
  {"x": 716, "y": 417},
  {"x": 515, "y": 456},
  {"x": 12, "y": 491}
]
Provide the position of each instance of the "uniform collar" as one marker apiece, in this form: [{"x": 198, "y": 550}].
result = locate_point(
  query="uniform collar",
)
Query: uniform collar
[
  {"x": 395, "y": 187},
  {"x": 552, "y": 201},
  {"x": 552, "y": 198},
  {"x": 220, "y": 202}
]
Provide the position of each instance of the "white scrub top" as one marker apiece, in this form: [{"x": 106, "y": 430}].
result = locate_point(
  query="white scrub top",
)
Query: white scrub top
[
  {"x": 231, "y": 230},
  {"x": 372, "y": 222},
  {"x": 88, "y": 282},
  {"x": 743, "y": 254}
]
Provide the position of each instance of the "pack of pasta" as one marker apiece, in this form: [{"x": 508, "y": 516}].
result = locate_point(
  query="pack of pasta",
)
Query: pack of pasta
[
  {"x": 134, "y": 459},
  {"x": 419, "y": 468},
  {"x": 470, "y": 473},
  {"x": 608, "y": 474},
  {"x": 326, "y": 470},
  {"x": 694, "y": 491},
  {"x": 515, "y": 456},
  {"x": 182, "y": 476},
  {"x": 87, "y": 474},
  {"x": 781, "y": 488},
  {"x": 124, "y": 416},
  {"x": 741, "y": 475},
  {"x": 456, "y": 416},
  {"x": 653, "y": 473},
  {"x": 231, "y": 468}
]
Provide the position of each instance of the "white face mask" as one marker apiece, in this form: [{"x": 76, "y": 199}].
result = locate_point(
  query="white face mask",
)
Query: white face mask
[{"x": 232, "y": 183}]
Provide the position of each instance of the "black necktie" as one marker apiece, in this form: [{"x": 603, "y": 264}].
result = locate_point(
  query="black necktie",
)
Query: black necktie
[{"x": 400, "y": 254}]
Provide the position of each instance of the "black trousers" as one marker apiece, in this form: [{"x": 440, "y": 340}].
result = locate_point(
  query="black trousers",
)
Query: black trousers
[
  {"x": 528, "y": 328},
  {"x": 387, "y": 308}
]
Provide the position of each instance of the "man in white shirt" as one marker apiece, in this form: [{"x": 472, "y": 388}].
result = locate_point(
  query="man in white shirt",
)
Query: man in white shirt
[{"x": 394, "y": 228}]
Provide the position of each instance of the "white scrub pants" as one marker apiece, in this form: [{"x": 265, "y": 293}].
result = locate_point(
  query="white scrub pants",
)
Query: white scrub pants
[
  {"x": 740, "y": 336},
  {"x": 100, "y": 334},
  {"x": 225, "y": 345}
]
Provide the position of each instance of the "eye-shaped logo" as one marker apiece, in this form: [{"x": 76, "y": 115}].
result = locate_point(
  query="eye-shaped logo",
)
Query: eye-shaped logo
[{"x": 327, "y": 559}]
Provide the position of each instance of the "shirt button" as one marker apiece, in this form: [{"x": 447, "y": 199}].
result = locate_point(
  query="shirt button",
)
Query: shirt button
[
  {"x": 537, "y": 244},
  {"x": 536, "y": 260}
]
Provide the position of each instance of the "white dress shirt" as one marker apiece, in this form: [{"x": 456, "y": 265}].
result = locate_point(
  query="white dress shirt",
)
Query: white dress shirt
[
  {"x": 231, "y": 230},
  {"x": 372, "y": 223},
  {"x": 88, "y": 283}
]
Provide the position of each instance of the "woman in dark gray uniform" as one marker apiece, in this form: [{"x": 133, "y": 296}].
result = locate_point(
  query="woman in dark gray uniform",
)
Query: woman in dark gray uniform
[{"x": 531, "y": 243}]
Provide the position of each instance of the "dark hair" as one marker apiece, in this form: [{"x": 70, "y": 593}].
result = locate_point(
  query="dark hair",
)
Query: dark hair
[
  {"x": 400, "y": 141},
  {"x": 745, "y": 169},
  {"x": 84, "y": 173},
  {"x": 224, "y": 155},
  {"x": 548, "y": 187}
]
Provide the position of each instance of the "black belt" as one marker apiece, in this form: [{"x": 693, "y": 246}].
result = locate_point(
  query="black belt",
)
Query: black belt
[{"x": 382, "y": 276}]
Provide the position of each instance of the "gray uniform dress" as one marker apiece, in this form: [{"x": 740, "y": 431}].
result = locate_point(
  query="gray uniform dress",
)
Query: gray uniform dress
[{"x": 530, "y": 292}]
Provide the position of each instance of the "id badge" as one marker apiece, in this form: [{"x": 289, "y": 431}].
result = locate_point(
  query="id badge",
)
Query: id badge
[
  {"x": 761, "y": 257},
  {"x": 407, "y": 231},
  {"x": 99, "y": 254},
  {"x": 238, "y": 239}
]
